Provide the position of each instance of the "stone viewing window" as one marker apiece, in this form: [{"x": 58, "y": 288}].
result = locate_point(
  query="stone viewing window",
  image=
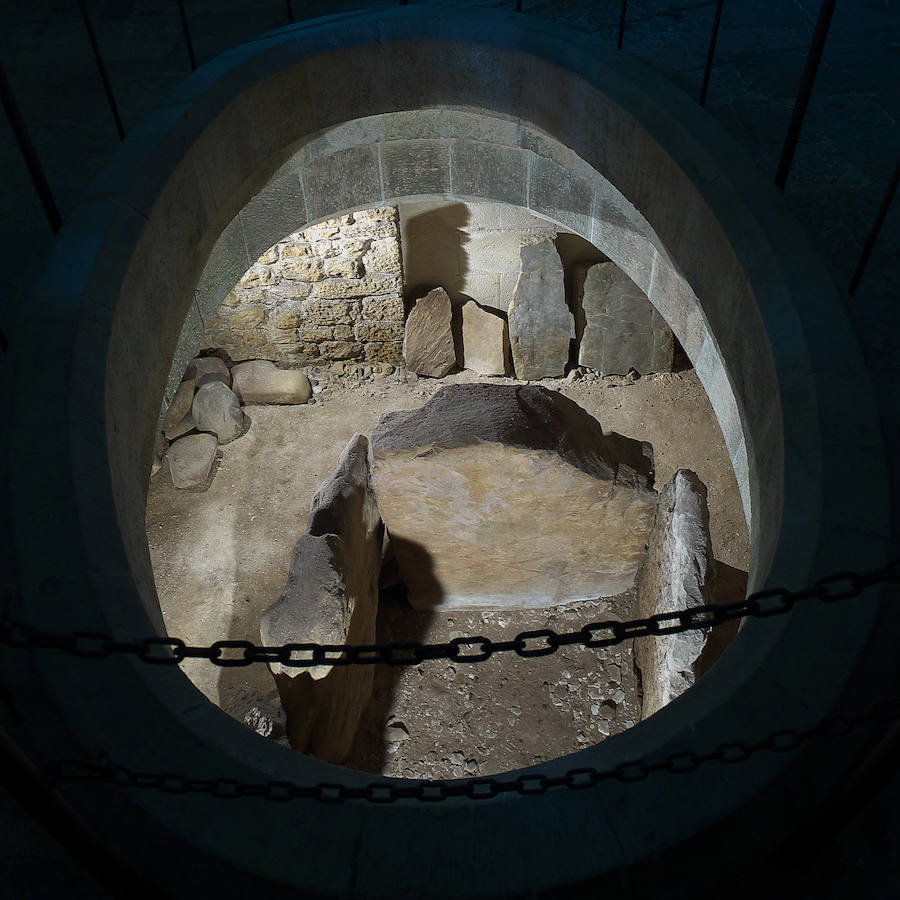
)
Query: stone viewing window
[{"x": 430, "y": 420}]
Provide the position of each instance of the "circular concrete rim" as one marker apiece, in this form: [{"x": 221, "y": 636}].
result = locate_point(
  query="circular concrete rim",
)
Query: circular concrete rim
[{"x": 73, "y": 571}]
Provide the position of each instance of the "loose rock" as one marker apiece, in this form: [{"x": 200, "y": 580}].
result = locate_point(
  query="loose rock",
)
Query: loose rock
[
  {"x": 467, "y": 483},
  {"x": 485, "y": 341},
  {"x": 190, "y": 460},
  {"x": 206, "y": 369},
  {"x": 540, "y": 324},
  {"x": 261, "y": 381},
  {"x": 428, "y": 339},
  {"x": 216, "y": 410},
  {"x": 180, "y": 406}
]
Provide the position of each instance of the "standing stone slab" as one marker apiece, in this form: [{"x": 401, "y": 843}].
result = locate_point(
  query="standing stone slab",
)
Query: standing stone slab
[
  {"x": 428, "y": 339},
  {"x": 331, "y": 597},
  {"x": 510, "y": 496},
  {"x": 677, "y": 574},
  {"x": 261, "y": 381},
  {"x": 618, "y": 326},
  {"x": 190, "y": 460},
  {"x": 216, "y": 410},
  {"x": 540, "y": 324},
  {"x": 485, "y": 341}
]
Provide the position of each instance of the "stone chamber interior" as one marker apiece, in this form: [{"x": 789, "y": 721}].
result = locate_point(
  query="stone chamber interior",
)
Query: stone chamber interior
[{"x": 333, "y": 306}]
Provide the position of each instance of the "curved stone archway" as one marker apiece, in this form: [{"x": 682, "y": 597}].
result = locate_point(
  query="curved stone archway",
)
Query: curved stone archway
[{"x": 97, "y": 347}]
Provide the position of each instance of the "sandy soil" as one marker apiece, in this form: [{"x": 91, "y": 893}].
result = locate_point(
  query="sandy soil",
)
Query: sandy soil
[{"x": 220, "y": 557}]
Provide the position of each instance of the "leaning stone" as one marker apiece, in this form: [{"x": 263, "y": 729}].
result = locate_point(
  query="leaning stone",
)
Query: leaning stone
[
  {"x": 205, "y": 369},
  {"x": 677, "y": 574},
  {"x": 216, "y": 410},
  {"x": 261, "y": 381},
  {"x": 331, "y": 597},
  {"x": 428, "y": 340},
  {"x": 181, "y": 403},
  {"x": 540, "y": 324},
  {"x": 190, "y": 460},
  {"x": 510, "y": 496},
  {"x": 185, "y": 426},
  {"x": 485, "y": 341},
  {"x": 618, "y": 326}
]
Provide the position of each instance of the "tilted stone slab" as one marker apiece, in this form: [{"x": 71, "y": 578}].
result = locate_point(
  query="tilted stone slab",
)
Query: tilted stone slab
[
  {"x": 540, "y": 323},
  {"x": 510, "y": 496},
  {"x": 331, "y": 597},
  {"x": 485, "y": 341},
  {"x": 677, "y": 574},
  {"x": 619, "y": 327},
  {"x": 428, "y": 339}
]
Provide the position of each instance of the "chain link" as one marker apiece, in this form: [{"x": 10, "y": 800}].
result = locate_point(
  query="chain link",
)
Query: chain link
[
  {"x": 681, "y": 762},
  {"x": 159, "y": 650}
]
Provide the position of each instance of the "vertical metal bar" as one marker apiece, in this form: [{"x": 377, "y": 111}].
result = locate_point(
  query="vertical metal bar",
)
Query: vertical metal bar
[
  {"x": 876, "y": 228},
  {"x": 622, "y": 24},
  {"x": 101, "y": 68},
  {"x": 11, "y": 108},
  {"x": 711, "y": 52},
  {"x": 187, "y": 35},
  {"x": 290, "y": 11},
  {"x": 804, "y": 92}
]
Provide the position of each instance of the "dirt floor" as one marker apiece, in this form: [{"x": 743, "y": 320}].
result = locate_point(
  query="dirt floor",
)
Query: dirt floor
[{"x": 221, "y": 556}]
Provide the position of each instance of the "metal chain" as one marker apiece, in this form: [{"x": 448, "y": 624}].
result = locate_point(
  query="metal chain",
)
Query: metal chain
[
  {"x": 783, "y": 741},
  {"x": 159, "y": 650}
]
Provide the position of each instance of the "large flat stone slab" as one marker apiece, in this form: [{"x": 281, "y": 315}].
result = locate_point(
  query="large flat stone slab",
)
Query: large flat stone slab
[
  {"x": 619, "y": 327},
  {"x": 510, "y": 496},
  {"x": 331, "y": 597},
  {"x": 485, "y": 341},
  {"x": 261, "y": 381},
  {"x": 677, "y": 574},
  {"x": 540, "y": 323}
]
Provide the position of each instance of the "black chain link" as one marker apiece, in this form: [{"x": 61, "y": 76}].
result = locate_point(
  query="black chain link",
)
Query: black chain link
[
  {"x": 230, "y": 653},
  {"x": 678, "y": 763}
]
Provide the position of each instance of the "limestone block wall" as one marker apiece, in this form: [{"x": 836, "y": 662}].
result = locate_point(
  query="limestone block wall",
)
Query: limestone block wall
[{"x": 330, "y": 292}]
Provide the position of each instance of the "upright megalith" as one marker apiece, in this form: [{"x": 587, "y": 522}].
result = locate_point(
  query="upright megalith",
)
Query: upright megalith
[
  {"x": 485, "y": 340},
  {"x": 510, "y": 496},
  {"x": 331, "y": 597},
  {"x": 540, "y": 323},
  {"x": 428, "y": 347},
  {"x": 676, "y": 574},
  {"x": 618, "y": 327}
]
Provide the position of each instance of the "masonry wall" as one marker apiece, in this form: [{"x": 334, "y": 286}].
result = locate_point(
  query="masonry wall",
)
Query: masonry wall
[{"x": 330, "y": 292}]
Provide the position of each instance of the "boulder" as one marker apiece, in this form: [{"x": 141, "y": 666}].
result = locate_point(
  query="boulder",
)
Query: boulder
[
  {"x": 510, "y": 496},
  {"x": 676, "y": 574},
  {"x": 540, "y": 324},
  {"x": 485, "y": 341},
  {"x": 618, "y": 326},
  {"x": 204, "y": 369},
  {"x": 428, "y": 347},
  {"x": 180, "y": 405},
  {"x": 190, "y": 460},
  {"x": 185, "y": 426},
  {"x": 331, "y": 597},
  {"x": 261, "y": 381},
  {"x": 216, "y": 410}
]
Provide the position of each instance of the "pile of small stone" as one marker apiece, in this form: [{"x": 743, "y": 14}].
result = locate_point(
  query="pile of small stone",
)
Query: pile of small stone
[{"x": 205, "y": 411}]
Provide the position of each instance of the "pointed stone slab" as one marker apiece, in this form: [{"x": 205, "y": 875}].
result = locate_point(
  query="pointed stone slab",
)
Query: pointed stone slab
[
  {"x": 510, "y": 496},
  {"x": 331, "y": 597},
  {"x": 485, "y": 341},
  {"x": 540, "y": 324},
  {"x": 677, "y": 574},
  {"x": 618, "y": 326},
  {"x": 428, "y": 339}
]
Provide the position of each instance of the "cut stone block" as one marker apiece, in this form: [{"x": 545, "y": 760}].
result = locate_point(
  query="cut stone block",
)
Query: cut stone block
[
  {"x": 261, "y": 381},
  {"x": 428, "y": 340},
  {"x": 216, "y": 410},
  {"x": 618, "y": 326},
  {"x": 485, "y": 341},
  {"x": 677, "y": 574},
  {"x": 510, "y": 496},
  {"x": 540, "y": 324},
  {"x": 190, "y": 460},
  {"x": 331, "y": 597}
]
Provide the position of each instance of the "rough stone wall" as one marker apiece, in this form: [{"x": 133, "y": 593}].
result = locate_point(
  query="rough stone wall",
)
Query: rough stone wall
[{"x": 330, "y": 292}]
